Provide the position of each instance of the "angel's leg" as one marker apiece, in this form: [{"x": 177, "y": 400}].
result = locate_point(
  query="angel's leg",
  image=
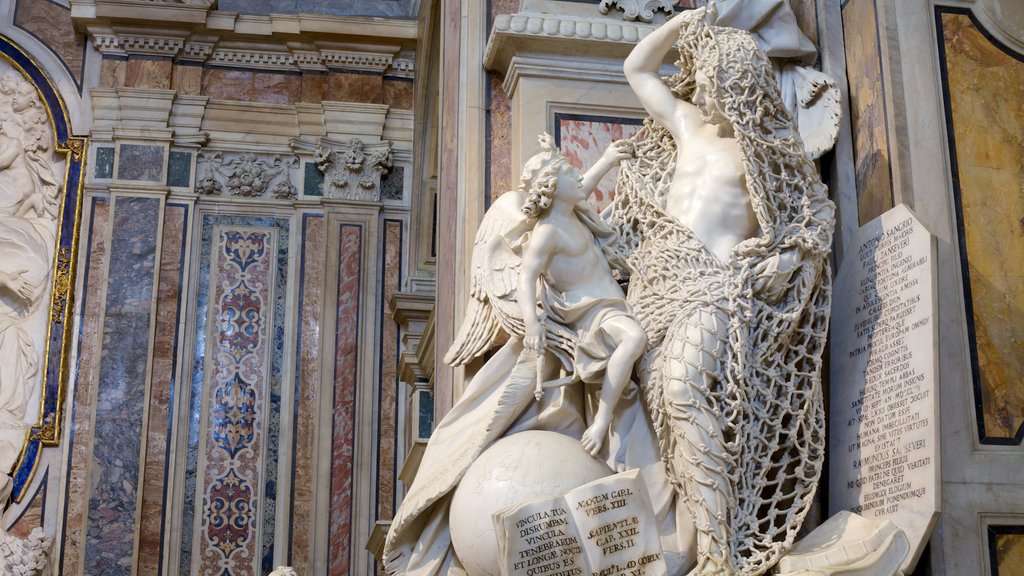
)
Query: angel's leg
[
  {"x": 630, "y": 340},
  {"x": 692, "y": 359}
]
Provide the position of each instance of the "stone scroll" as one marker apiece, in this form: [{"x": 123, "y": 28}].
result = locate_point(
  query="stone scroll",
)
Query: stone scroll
[{"x": 883, "y": 428}]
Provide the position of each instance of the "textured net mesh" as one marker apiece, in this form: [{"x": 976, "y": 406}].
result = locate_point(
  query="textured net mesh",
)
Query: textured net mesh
[{"x": 750, "y": 431}]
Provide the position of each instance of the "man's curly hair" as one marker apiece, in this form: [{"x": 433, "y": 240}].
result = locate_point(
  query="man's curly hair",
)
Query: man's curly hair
[{"x": 540, "y": 177}]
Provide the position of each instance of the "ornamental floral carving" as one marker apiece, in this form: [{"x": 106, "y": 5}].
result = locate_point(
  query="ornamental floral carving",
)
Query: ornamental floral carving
[
  {"x": 633, "y": 10},
  {"x": 353, "y": 170},
  {"x": 247, "y": 175}
]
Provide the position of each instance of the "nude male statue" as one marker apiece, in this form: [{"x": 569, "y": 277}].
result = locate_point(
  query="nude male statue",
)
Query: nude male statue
[{"x": 728, "y": 236}]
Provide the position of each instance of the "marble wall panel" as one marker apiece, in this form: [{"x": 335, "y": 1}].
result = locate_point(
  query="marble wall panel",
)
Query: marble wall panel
[
  {"x": 398, "y": 93},
  {"x": 164, "y": 381},
  {"x": 276, "y": 88},
  {"x": 33, "y": 514},
  {"x": 867, "y": 109},
  {"x": 112, "y": 72},
  {"x": 502, "y": 176},
  {"x": 806, "y": 12},
  {"x": 583, "y": 139},
  {"x": 313, "y": 86},
  {"x": 209, "y": 375},
  {"x": 121, "y": 388},
  {"x": 388, "y": 8},
  {"x": 307, "y": 390},
  {"x": 345, "y": 86},
  {"x": 148, "y": 72},
  {"x": 983, "y": 85},
  {"x": 187, "y": 79},
  {"x": 344, "y": 399},
  {"x": 51, "y": 23},
  {"x": 227, "y": 83},
  {"x": 387, "y": 434},
  {"x": 80, "y": 436},
  {"x": 140, "y": 162},
  {"x": 1006, "y": 546}
]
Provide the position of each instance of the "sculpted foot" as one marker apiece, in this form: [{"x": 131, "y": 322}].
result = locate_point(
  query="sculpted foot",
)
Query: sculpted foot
[{"x": 593, "y": 438}]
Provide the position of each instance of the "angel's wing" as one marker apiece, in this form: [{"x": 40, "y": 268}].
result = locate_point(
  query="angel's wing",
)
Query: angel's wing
[
  {"x": 493, "y": 303},
  {"x": 494, "y": 278}
]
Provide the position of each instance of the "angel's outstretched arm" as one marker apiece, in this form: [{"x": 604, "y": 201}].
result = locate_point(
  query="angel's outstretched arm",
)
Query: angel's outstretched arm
[{"x": 617, "y": 152}]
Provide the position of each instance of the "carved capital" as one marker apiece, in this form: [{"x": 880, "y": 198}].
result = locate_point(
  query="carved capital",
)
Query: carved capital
[
  {"x": 633, "y": 10},
  {"x": 352, "y": 170}
]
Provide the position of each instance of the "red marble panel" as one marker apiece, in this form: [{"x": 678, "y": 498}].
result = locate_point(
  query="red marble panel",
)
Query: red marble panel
[
  {"x": 313, "y": 86},
  {"x": 502, "y": 176},
  {"x": 112, "y": 73},
  {"x": 806, "y": 12},
  {"x": 149, "y": 73},
  {"x": 187, "y": 80},
  {"x": 398, "y": 93},
  {"x": 32, "y": 516},
  {"x": 504, "y": 7},
  {"x": 306, "y": 424},
  {"x": 51, "y": 23},
  {"x": 163, "y": 373},
  {"x": 351, "y": 87},
  {"x": 84, "y": 398},
  {"x": 346, "y": 349},
  {"x": 226, "y": 84},
  {"x": 583, "y": 141},
  {"x": 387, "y": 467},
  {"x": 276, "y": 88}
]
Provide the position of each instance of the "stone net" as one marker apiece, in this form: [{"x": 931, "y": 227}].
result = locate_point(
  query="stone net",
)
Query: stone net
[{"x": 760, "y": 357}]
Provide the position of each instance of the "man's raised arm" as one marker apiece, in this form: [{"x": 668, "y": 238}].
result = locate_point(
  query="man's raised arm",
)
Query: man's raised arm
[{"x": 641, "y": 69}]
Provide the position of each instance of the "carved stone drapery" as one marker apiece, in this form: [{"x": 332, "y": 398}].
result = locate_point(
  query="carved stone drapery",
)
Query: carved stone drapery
[
  {"x": 353, "y": 170},
  {"x": 247, "y": 174}
]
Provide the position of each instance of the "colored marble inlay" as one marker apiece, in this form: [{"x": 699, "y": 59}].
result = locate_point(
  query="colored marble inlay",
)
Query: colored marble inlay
[
  {"x": 230, "y": 402},
  {"x": 984, "y": 81},
  {"x": 387, "y": 466},
  {"x": 179, "y": 169},
  {"x": 243, "y": 266},
  {"x": 583, "y": 139},
  {"x": 392, "y": 185},
  {"x": 140, "y": 162},
  {"x": 104, "y": 161},
  {"x": 82, "y": 403},
  {"x": 308, "y": 375},
  {"x": 121, "y": 391},
  {"x": 867, "y": 110},
  {"x": 161, "y": 394},
  {"x": 344, "y": 399},
  {"x": 313, "y": 182},
  {"x": 1006, "y": 550},
  {"x": 152, "y": 73},
  {"x": 33, "y": 513},
  {"x": 51, "y": 23}
]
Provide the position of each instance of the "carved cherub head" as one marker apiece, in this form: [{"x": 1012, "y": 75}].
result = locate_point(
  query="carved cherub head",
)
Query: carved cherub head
[
  {"x": 26, "y": 118},
  {"x": 539, "y": 180}
]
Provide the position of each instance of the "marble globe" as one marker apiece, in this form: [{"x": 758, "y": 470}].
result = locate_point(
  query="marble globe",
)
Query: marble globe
[{"x": 515, "y": 469}]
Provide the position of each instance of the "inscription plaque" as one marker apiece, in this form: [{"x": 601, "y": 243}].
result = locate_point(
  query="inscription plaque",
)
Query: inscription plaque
[{"x": 883, "y": 427}]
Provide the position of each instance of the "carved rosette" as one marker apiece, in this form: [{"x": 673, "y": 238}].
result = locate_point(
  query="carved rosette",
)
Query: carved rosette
[
  {"x": 248, "y": 175},
  {"x": 353, "y": 171}
]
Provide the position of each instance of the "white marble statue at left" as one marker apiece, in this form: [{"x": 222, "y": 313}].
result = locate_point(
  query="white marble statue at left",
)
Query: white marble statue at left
[
  {"x": 543, "y": 274},
  {"x": 29, "y": 206}
]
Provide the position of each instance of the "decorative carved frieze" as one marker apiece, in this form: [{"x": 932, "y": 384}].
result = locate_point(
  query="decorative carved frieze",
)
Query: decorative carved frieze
[
  {"x": 353, "y": 171},
  {"x": 402, "y": 67},
  {"x": 253, "y": 59},
  {"x": 633, "y": 10},
  {"x": 374, "y": 61},
  {"x": 199, "y": 51},
  {"x": 246, "y": 174},
  {"x": 151, "y": 45}
]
